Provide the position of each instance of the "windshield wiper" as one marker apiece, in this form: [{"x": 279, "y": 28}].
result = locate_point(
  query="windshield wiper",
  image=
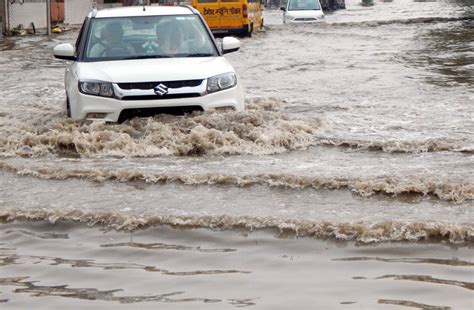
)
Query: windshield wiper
[
  {"x": 147, "y": 56},
  {"x": 200, "y": 55}
]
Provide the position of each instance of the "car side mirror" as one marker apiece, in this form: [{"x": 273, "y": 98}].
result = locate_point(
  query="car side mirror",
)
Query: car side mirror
[
  {"x": 283, "y": 8},
  {"x": 230, "y": 44},
  {"x": 64, "y": 51}
]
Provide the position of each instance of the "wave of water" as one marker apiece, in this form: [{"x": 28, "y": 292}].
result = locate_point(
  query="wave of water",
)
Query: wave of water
[
  {"x": 424, "y": 186},
  {"x": 404, "y": 21},
  {"x": 262, "y": 129},
  {"x": 356, "y": 231},
  {"x": 401, "y": 146}
]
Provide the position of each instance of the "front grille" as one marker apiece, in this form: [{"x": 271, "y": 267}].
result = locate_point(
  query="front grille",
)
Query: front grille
[
  {"x": 305, "y": 19},
  {"x": 151, "y": 85},
  {"x": 164, "y": 97},
  {"x": 146, "y": 112}
]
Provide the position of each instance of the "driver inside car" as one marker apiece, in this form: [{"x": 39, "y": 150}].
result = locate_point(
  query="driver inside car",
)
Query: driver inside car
[{"x": 111, "y": 44}]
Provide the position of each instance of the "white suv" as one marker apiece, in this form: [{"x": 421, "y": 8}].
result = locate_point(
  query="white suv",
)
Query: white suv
[
  {"x": 302, "y": 11},
  {"x": 140, "y": 61}
]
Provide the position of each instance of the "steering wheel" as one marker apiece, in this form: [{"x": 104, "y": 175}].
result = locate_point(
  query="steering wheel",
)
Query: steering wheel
[
  {"x": 114, "y": 51},
  {"x": 195, "y": 44},
  {"x": 150, "y": 46}
]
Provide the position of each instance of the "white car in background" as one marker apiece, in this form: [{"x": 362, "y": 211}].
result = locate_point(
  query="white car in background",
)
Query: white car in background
[
  {"x": 140, "y": 61},
  {"x": 302, "y": 11}
]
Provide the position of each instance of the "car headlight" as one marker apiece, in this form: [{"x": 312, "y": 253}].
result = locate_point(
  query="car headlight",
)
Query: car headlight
[
  {"x": 221, "y": 82},
  {"x": 104, "y": 89}
]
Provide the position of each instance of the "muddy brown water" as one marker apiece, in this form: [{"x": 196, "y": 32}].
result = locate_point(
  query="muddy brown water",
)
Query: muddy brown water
[
  {"x": 347, "y": 183},
  {"x": 187, "y": 269}
]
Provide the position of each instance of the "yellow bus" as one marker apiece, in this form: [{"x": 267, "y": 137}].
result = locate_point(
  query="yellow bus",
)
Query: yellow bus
[{"x": 240, "y": 17}]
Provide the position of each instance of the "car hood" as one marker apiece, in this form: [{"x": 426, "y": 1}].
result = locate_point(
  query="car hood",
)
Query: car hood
[{"x": 147, "y": 70}]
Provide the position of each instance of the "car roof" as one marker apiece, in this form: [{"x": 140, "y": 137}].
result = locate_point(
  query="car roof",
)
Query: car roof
[{"x": 139, "y": 11}]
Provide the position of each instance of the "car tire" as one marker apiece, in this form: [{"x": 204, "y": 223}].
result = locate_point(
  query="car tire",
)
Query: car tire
[
  {"x": 249, "y": 33},
  {"x": 68, "y": 108},
  {"x": 246, "y": 31}
]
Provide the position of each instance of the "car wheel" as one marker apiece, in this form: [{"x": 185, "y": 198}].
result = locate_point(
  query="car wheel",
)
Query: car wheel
[
  {"x": 68, "y": 108},
  {"x": 249, "y": 33}
]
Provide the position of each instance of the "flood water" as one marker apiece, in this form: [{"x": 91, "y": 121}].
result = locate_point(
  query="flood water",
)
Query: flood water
[{"x": 346, "y": 184}]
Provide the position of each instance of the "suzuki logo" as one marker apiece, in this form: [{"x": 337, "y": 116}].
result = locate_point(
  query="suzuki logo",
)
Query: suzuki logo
[{"x": 161, "y": 90}]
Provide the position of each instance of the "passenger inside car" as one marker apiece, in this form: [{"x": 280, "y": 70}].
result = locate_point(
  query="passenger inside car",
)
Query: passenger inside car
[{"x": 111, "y": 43}]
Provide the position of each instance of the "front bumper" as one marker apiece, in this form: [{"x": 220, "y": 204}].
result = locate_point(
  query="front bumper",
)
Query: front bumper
[
  {"x": 297, "y": 20},
  {"x": 82, "y": 104}
]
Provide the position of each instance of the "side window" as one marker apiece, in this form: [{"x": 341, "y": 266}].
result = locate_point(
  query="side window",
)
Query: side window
[{"x": 207, "y": 1}]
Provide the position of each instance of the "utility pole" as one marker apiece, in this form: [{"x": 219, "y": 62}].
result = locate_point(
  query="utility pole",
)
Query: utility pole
[
  {"x": 7, "y": 18},
  {"x": 48, "y": 16}
]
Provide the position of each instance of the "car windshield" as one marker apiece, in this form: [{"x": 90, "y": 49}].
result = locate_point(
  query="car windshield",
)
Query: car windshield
[
  {"x": 300, "y": 5},
  {"x": 148, "y": 37}
]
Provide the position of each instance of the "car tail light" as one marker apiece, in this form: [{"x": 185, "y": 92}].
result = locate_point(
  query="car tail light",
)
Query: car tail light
[{"x": 244, "y": 10}]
